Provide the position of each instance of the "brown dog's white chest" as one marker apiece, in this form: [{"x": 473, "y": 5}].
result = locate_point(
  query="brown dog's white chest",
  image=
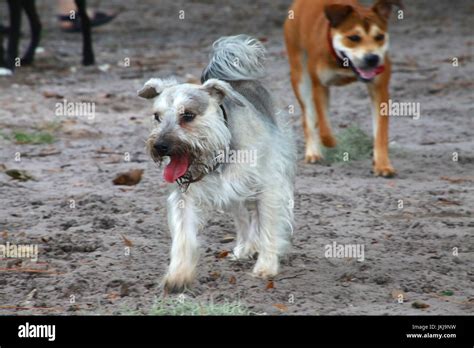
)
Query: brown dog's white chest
[{"x": 336, "y": 76}]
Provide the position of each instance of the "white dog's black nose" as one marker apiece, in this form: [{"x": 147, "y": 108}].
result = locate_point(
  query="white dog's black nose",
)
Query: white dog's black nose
[
  {"x": 371, "y": 60},
  {"x": 161, "y": 148}
]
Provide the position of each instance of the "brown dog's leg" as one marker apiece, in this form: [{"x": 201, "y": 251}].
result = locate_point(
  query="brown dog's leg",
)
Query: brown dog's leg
[
  {"x": 378, "y": 90},
  {"x": 294, "y": 57},
  {"x": 304, "y": 91},
  {"x": 321, "y": 101}
]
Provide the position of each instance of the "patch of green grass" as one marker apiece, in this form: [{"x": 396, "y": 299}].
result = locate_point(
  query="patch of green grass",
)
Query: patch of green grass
[
  {"x": 32, "y": 138},
  {"x": 189, "y": 307},
  {"x": 447, "y": 293},
  {"x": 352, "y": 144}
]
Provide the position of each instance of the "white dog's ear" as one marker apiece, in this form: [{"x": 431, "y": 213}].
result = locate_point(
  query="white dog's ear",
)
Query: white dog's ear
[
  {"x": 154, "y": 87},
  {"x": 219, "y": 90}
]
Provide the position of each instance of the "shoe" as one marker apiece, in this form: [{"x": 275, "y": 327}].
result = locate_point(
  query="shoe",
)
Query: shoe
[{"x": 99, "y": 18}]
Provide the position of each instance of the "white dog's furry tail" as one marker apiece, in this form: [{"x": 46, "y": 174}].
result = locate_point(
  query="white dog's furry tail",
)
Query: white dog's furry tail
[{"x": 234, "y": 58}]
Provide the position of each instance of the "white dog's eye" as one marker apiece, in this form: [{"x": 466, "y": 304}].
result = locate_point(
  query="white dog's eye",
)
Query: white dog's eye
[
  {"x": 157, "y": 117},
  {"x": 188, "y": 116}
]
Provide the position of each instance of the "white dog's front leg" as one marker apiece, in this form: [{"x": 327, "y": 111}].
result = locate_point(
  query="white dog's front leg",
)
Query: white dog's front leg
[
  {"x": 245, "y": 224},
  {"x": 267, "y": 261},
  {"x": 274, "y": 228},
  {"x": 183, "y": 223}
]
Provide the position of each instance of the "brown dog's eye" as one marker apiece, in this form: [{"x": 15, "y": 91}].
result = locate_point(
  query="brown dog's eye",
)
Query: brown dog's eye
[
  {"x": 188, "y": 116},
  {"x": 354, "y": 38},
  {"x": 157, "y": 117},
  {"x": 380, "y": 37}
]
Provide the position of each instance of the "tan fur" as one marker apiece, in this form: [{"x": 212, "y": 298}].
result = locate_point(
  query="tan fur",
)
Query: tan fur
[{"x": 309, "y": 52}]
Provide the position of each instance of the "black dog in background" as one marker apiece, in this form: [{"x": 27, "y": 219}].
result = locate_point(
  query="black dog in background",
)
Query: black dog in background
[{"x": 16, "y": 7}]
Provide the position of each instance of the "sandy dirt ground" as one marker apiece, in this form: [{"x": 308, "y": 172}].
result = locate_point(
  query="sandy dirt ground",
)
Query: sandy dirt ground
[{"x": 82, "y": 249}]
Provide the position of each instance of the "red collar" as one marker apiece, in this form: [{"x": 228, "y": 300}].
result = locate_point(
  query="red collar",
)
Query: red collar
[
  {"x": 332, "y": 50},
  {"x": 380, "y": 69}
]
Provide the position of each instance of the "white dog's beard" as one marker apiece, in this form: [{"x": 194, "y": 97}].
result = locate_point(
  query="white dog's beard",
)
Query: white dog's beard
[{"x": 198, "y": 169}]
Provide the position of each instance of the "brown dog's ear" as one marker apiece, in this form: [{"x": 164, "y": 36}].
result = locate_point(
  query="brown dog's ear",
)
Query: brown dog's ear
[
  {"x": 154, "y": 87},
  {"x": 337, "y": 13},
  {"x": 384, "y": 7}
]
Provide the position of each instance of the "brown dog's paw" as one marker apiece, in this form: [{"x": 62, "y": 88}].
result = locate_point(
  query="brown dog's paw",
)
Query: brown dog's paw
[
  {"x": 312, "y": 158},
  {"x": 386, "y": 171}
]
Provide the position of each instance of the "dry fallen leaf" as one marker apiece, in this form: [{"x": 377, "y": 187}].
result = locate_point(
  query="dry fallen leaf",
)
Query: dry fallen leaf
[
  {"x": 419, "y": 305},
  {"x": 281, "y": 307},
  {"x": 270, "y": 285},
  {"x": 130, "y": 178},
  {"x": 127, "y": 241},
  {"x": 49, "y": 94},
  {"x": 456, "y": 180},
  {"x": 448, "y": 201},
  {"x": 215, "y": 275},
  {"x": 51, "y": 151},
  {"x": 227, "y": 239},
  {"x": 18, "y": 174},
  {"x": 222, "y": 254},
  {"x": 113, "y": 296}
]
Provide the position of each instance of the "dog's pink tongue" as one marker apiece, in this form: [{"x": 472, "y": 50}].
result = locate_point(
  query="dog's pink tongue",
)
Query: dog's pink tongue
[
  {"x": 367, "y": 74},
  {"x": 176, "y": 168}
]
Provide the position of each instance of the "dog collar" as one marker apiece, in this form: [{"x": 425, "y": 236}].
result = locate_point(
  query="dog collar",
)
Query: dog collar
[
  {"x": 333, "y": 52},
  {"x": 378, "y": 70},
  {"x": 187, "y": 180}
]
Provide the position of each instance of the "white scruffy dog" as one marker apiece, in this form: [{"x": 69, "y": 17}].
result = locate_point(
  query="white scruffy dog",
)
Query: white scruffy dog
[{"x": 225, "y": 148}]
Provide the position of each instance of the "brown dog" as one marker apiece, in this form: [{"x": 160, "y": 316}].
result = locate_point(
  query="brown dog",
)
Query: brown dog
[{"x": 333, "y": 43}]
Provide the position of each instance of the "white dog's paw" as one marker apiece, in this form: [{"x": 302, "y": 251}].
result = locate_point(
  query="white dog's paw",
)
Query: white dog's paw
[
  {"x": 178, "y": 281},
  {"x": 266, "y": 266},
  {"x": 242, "y": 252},
  {"x": 5, "y": 72}
]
